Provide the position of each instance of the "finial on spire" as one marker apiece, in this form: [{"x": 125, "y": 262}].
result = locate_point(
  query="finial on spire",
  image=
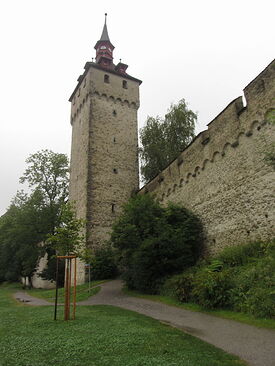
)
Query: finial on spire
[{"x": 105, "y": 18}]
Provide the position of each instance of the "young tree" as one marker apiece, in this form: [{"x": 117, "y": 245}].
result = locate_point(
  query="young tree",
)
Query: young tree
[
  {"x": 163, "y": 139},
  {"x": 68, "y": 238}
]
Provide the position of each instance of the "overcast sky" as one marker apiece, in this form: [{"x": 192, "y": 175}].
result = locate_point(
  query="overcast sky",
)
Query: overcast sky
[{"x": 203, "y": 51}]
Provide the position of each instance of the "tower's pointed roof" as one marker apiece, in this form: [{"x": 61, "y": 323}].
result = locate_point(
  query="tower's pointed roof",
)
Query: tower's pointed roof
[{"x": 105, "y": 35}]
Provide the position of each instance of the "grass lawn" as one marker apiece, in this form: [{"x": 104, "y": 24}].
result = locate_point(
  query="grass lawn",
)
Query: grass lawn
[
  {"x": 82, "y": 292},
  {"x": 100, "y": 336},
  {"x": 227, "y": 314}
]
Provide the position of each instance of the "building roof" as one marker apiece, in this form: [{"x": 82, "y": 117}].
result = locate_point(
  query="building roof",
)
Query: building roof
[{"x": 105, "y": 35}]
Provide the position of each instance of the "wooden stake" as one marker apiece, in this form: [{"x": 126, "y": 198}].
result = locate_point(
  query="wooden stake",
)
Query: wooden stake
[
  {"x": 56, "y": 289},
  {"x": 66, "y": 291},
  {"x": 74, "y": 288}
]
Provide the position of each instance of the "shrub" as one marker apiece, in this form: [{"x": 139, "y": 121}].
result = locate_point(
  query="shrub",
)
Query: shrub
[
  {"x": 155, "y": 242},
  {"x": 103, "y": 264},
  {"x": 180, "y": 286},
  {"x": 241, "y": 254},
  {"x": 255, "y": 287},
  {"x": 212, "y": 289}
]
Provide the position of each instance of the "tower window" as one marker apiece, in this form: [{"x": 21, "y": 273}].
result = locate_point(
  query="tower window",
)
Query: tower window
[
  {"x": 84, "y": 84},
  {"x": 114, "y": 113},
  {"x": 106, "y": 79},
  {"x": 124, "y": 84},
  {"x": 115, "y": 170},
  {"x": 114, "y": 139},
  {"x": 113, "y": 207}
]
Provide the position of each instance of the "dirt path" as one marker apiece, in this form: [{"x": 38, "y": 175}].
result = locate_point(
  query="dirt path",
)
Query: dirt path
[{"x": 254, "y": 345}]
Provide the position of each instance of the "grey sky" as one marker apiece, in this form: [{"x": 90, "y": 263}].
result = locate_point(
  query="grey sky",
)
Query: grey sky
[{"x": 203, "y": 51}]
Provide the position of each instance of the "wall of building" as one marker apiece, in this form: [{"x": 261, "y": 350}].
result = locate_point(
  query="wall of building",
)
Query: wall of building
[
  {"x": 222, "y": 176},
  {"x": 104, "y": 153}
]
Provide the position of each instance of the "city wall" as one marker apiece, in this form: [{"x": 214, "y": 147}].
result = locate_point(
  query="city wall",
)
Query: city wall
[{"x": 223, "y": 176}]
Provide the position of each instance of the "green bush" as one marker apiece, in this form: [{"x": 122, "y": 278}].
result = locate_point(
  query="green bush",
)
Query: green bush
[
  {"x": 155, "y": 242},
  {"x": 180, "y": 286},
  {"x": 211, "y": 289},
  {"x": 241, "y": 254},
  {"x": 254, "y": 292},
  {"x": 103, "y": 264},
  {"x": 240, "y": 278}
]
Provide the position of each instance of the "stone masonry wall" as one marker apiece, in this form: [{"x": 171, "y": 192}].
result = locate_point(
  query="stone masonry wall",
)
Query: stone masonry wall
[
  {"x": 113, "y": 144},
  {"x": 222, "y": 176},
  {"x": 104, "y": 153}
]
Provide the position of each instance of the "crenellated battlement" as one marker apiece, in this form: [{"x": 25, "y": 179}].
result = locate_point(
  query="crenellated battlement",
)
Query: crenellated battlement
[{"x": 224, "y": 160}]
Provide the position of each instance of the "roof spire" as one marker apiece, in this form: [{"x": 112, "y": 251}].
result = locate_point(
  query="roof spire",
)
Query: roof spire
[{"x": 104, "y": 35}]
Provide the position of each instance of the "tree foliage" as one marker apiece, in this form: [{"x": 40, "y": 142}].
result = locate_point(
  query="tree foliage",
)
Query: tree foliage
[
  {"x": 48, "y": 175},
  {"x": 31, "y": 217},
  {"x": 154, "y": 242},
  {"x": 21, "y": 229},
  {"x": 163, "y": 139},
  {"x": 68, "y": 238},
  {"x": 103, "y": 265}
]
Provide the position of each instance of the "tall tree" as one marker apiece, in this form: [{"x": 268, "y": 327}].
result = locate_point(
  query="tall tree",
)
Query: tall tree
[
  {"x": 30, "y": 218},
  {"x": 21, "y": 229},
  {"x": 48, "y": 176},
  {"x": 163, "y": 139}
]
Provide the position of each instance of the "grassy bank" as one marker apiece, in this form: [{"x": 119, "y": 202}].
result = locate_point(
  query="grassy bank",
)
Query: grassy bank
[
  {"x": 100, "y": 336},
  {"x": 227, "y": 314}
]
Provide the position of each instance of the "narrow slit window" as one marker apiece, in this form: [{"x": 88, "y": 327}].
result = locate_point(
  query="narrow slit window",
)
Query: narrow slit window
[
  {"x": 115, "y": 170},
  {"x": 124, "y": 84},
  {"x": 106, "y": 79},
  {"x": 113, "y": 207},
  {"x": 114, "y": 113}
]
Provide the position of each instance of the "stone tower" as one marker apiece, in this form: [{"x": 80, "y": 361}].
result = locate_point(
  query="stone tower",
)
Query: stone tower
[{"x": 104, "y": 150}]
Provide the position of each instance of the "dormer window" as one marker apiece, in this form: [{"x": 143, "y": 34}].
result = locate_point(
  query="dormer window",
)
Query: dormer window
[
  {"x": 124, "y": 84},
  {"x": 106, "y": 79}
]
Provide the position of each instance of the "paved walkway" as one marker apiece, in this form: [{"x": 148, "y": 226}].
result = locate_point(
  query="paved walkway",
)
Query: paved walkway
[{"x": 254, "y": 345}]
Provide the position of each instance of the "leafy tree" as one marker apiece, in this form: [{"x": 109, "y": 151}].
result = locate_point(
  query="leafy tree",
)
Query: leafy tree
[
  {"x": 68, "y": 238},
  {"x": 30, "y": 218},
  {"x": 103, "y": 264},
  {"x": 21, "y": 229},
  {"x": 154, "y": 242},
  {"x": 163, "y": 139},
  {"x": 48, "y": 176}
]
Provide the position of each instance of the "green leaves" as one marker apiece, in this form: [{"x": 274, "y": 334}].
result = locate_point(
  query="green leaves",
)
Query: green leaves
[
  {"x": 154, "y": 242},
  {"x": 163, "y": 139},
  {"x": 30, "y": 218},
  {"x": 68, "y": 238},
  {"x": 48, "y": 172}
]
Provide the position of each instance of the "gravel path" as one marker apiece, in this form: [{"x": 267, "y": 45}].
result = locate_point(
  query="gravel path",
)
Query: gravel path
[
  {"x": 254, "y": 345},
  {"x": 30, "y": 300}
]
